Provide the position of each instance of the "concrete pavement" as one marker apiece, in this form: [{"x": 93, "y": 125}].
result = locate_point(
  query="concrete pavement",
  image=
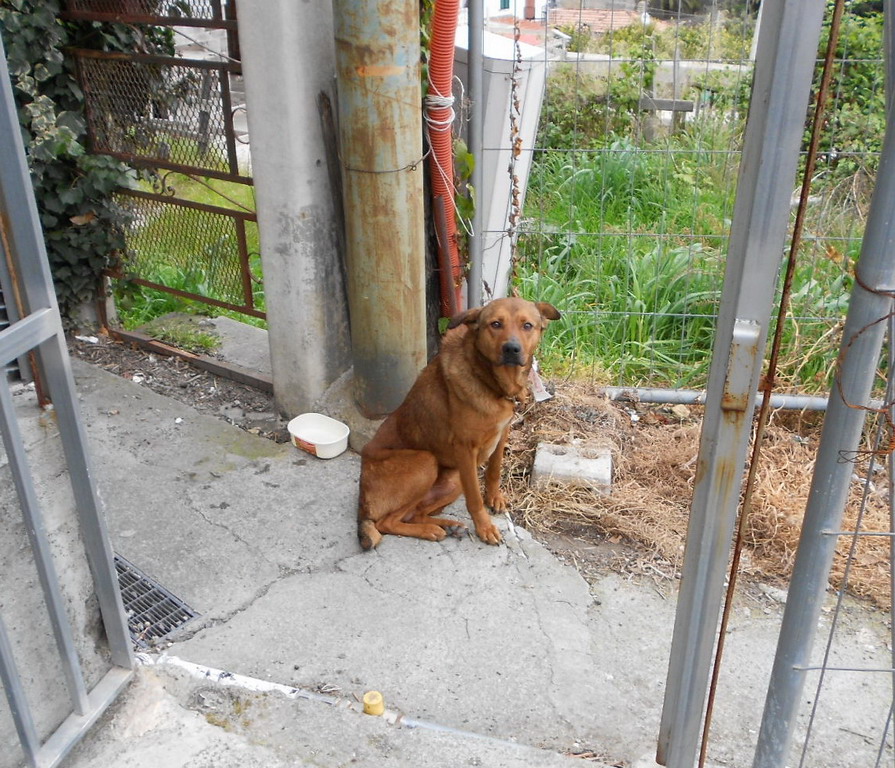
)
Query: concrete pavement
[
  {"x": 259, "y": 538},
  {"x": 500, "y": 656}
]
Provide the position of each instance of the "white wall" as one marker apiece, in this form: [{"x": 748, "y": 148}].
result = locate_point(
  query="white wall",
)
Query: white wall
[{"x": 495, "y": 199}]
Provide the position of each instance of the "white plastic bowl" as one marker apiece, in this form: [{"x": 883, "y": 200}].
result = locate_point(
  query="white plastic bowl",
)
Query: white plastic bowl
[{"x": 319, "y": 435}]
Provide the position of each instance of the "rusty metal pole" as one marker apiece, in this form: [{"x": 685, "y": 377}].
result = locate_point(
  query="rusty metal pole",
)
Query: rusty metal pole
[{"x": 380, "y": 128}]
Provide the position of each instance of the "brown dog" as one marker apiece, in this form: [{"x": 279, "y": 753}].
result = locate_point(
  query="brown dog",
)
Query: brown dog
[{"x": 455, "y": 418}]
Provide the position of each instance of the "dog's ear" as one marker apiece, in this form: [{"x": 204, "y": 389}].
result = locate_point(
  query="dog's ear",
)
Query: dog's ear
[
  {"x": 468, "y": 317},
  {"x": 548, "y": 311}
]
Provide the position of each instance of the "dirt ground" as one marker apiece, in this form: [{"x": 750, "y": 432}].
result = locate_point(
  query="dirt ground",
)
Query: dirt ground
[{"x": 246, "y": 407}]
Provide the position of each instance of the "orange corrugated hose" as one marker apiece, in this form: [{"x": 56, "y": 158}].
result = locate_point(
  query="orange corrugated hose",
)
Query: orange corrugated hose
[{"x": 439, "y": 122}]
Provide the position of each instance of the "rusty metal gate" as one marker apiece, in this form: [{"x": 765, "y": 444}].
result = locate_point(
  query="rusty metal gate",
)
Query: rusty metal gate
[{"x": 172, "y": 119}]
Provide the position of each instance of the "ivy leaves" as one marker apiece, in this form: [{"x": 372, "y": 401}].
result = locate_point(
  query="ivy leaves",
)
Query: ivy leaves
[
  {"x": 464, "y": 163},
  {"x": 82, "y": 222}
]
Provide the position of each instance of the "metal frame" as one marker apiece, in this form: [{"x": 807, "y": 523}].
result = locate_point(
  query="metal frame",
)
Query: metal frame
[
  {"x": 223, "y": 69},
  {"x": 39, "y": 331},
  {"x": 783, "y": 73},
  {"x": 870, "y": 307},
  {"x": 96, "y": 84},
  {"x": 76, "y": 11},
  {"x": 239, "y": 219},
  {"x": 7, "y": 299},
  {"x": 475, "y": 16}
]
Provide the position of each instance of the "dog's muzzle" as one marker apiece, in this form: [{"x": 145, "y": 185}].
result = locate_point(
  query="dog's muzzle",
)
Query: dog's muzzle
[{"x": 511, "y": 353}]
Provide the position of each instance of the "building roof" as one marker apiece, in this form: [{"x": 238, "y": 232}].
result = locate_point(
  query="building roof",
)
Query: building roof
[{"x": 598, "y": 20}]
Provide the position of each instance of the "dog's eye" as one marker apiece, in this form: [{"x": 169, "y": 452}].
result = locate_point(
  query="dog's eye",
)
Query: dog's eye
[
  {"x": 496, "y": 324},
  {"x": 528, "y": 326}
]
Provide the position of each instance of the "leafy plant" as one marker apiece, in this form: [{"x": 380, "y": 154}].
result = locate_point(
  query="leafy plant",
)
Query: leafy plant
[
  {"x": 628, "y": 238},
  {"x": 700, "y": 41},
  {"x": 856, "y": 115},
  {"x": 83, "y": 225},
  {"x": 573, "y": 112},
  {"x": 464, "y": 164},
  {"x": 581, "y": 39},
  {"x": 630, "y": 245}
]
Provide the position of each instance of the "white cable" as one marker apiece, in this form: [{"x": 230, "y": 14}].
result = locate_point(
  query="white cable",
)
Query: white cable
[{"x": 435, "y": 101}]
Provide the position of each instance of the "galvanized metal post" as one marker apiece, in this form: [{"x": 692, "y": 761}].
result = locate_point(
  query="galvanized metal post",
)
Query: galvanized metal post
[
  {"x": 475, "y": 69},
  {"x": 31, "y": 271},
  {"x": 380, "y": 117},
  {"x": 39, "y": 329},
  {"x": 784, "y": 67},
  {"x": 871, "y": 302},
  {"x": 889, "y": 52}
]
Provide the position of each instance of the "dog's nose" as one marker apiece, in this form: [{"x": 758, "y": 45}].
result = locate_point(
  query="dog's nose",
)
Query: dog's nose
[{"x": 512, "y": 352}]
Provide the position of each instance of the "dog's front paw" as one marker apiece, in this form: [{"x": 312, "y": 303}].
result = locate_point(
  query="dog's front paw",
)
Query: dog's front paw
[
  {"x": 496, "y": 500},
  {"x": 489, "y": 533}
]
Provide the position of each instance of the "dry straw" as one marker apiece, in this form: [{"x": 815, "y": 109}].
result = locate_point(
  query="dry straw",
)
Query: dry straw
[{"x": 654, "y": 452}]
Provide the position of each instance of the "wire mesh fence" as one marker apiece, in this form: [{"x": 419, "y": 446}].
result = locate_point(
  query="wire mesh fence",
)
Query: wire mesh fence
[
  {"x": 185, "y": 12},
  {"x": 194, "y": 250},
  {"x": 179, "y": 122},
  {"x": 160, "y": 111},
  {"x": 626, "y": 230},
  {"x": 634, "y": 175},
  {"x": 845, "y": 659}
]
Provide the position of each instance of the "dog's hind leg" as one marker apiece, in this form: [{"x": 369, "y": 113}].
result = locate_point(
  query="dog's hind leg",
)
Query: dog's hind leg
[
  {"x": 393, "y": 482},
  {"x": 367, "y": 534},
  {"x": 419, "y": 530},
  {"x": 446, "y": 490}
]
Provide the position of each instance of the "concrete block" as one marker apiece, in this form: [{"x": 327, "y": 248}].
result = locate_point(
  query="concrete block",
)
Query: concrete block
[
  {"x": 578, "y": 465},
  {"x": 243, "y": 345}
]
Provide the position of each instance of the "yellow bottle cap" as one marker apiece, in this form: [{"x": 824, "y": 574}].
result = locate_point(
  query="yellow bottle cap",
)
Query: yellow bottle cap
[{"x": 373, "y": 703}]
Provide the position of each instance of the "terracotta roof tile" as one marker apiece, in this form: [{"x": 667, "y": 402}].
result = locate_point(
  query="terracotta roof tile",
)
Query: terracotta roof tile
[{"x": 598, "y": 20}]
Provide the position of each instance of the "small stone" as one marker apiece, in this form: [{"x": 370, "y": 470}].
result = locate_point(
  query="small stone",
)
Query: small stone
[{"x": 681, "y": 411}]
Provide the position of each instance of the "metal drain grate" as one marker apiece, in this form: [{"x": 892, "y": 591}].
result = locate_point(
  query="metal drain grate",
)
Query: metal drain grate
[{"x": 152, "y": 611}]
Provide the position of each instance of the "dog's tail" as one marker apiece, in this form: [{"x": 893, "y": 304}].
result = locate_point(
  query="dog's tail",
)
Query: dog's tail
[{"x": 367, "y": 534}]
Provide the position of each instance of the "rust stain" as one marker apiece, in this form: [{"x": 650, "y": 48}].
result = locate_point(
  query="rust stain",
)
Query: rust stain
[
  {"x": 725, "y": 479},
  {"x": 378, "y": 70},
  {"x": 725, "y": 471},
  {"x": 349, "y": 51},
  {"x": 732, "y": 402}
]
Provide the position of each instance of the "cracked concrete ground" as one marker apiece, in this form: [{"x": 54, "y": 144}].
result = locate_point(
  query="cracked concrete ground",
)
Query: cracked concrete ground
[{"x": 505, "y": 642}]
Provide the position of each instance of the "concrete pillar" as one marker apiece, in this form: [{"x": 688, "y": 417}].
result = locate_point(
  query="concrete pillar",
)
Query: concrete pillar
[{"x": 288, "y": 58}]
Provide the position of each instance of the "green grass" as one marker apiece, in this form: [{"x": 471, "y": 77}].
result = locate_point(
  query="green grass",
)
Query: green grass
[
  {"x": 630, "y": 244},
  {"x": 183, "y": 331},
  {"x": 224, "y": 194},
  {"x": 627, "y": 238},
  {"x": 184, "y": 250}
]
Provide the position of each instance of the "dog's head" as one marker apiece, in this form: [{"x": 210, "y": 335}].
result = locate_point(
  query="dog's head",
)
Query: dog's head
[{"x": 508, "y": 330}]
